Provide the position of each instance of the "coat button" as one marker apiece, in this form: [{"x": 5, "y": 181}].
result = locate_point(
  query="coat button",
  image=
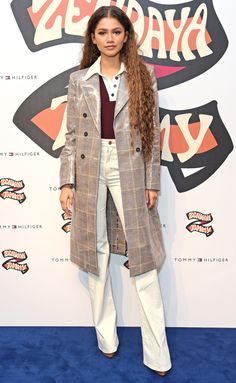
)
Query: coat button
[
  {"x": 82, "y": 156},
  {"x": 85, "y": 134},
  {"x": 137, "y": 149},
  {"x": 84, "y": 115}
]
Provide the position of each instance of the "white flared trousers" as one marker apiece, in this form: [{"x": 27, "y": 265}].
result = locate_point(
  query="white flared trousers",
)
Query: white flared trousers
[{"x": 155, "y": 349}]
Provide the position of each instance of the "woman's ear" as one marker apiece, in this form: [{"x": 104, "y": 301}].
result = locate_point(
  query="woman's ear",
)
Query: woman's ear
[{"x": 93, "y": 38}]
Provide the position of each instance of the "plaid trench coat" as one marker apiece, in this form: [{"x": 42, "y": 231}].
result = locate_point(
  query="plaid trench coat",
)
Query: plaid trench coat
[{"x": 80, "y": 167}]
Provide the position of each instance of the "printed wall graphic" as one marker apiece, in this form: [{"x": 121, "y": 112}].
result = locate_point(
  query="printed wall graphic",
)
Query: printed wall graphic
[
  {"x": 42, "y": 116},
  {"x": 187, "y": 40},
  {"x": 11, "y": 190},
  {"x": 193, "y": 141},
  {"x": 180, "y": 40},
  {"x": 14, "y": 260},
  {"x": 67, "y": 225},
  {"x": 200, "y": 223}
]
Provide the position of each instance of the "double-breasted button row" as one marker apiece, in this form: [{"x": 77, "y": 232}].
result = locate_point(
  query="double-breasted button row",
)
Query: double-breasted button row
[
  {"x": 85, "y": 134},
  {"x": 82, "y": 156},
  {"x": 85, "y": 115},
  {"x": 137, "y": 149}
]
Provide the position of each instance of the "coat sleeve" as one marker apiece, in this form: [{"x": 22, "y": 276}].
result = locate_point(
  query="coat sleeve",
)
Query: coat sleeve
[
  {"x": 67, "y": 157},
  {"x": 152, "y": 168}
]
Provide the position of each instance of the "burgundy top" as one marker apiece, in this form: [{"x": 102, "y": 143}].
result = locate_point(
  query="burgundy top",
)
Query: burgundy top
[{"x": 107, "y": 112}]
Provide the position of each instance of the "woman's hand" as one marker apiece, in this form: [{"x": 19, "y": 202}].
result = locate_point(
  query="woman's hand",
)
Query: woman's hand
[
  {"x": 151, "y": 197},
  {"x": 66, "y": 199}
]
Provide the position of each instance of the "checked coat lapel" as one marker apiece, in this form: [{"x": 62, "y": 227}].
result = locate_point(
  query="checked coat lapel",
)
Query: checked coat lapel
[
  {"x": 122, "y": 95},
  {"x": 91, "y": 91}
]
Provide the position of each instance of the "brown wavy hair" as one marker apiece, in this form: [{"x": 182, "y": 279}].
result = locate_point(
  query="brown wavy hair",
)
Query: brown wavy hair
[{"x": 141, "y": 95}]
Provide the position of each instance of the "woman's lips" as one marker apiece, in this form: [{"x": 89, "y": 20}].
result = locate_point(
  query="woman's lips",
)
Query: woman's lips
[{"x": 110, "y": 47}]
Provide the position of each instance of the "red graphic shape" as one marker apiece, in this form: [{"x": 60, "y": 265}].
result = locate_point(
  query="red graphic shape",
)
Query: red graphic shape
[
  {"x": 49, "y": 121},
  {"x": 178, "y": 144},
  {"x": 162, "y": 70}
]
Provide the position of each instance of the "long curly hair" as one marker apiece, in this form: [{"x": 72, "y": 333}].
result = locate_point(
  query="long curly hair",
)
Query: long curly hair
[{"x": 141, "y": 95}]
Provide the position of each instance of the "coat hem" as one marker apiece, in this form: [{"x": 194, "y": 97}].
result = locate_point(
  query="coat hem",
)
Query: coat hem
[
  {"x": 144, "y": 269},
  {"x": 88, "y": 269}
]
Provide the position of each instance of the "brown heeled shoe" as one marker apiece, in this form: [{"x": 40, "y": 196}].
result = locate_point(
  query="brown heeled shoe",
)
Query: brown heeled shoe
[
  {"x": 162, "y": 373},
  {"x": 109, "y": 355}
]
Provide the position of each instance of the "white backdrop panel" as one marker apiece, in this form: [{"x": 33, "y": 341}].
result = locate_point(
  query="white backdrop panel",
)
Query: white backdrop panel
[{"x": 196, "y": 293}]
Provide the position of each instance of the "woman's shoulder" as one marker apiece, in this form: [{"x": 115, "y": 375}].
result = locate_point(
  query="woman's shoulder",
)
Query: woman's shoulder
[
  {"x": 150, "y": 68},
  {"x": 78, "y": 74},
  {"x": 153, "y": 75}
]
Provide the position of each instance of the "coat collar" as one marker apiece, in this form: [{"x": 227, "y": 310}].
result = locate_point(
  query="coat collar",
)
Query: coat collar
[
  {"x": 95, "y": 68},
  {"x": 91, "y": 90},
  {"x": 122, "y": 94}
]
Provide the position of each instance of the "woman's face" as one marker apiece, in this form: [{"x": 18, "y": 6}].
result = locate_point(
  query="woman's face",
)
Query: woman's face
[{"x": 109, "y": 36}]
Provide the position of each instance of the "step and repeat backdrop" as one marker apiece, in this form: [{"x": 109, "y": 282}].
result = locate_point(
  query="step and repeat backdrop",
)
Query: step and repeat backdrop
[{"x": 191, "y": 45}]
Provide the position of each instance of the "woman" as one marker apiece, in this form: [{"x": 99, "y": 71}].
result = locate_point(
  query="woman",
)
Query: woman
[{"x": 110, "y": 178}]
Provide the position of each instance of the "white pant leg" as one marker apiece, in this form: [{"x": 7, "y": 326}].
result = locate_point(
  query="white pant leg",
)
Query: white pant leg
[
  {"x": 155, "y": 349},
  {"x": 103, "y": 308}
]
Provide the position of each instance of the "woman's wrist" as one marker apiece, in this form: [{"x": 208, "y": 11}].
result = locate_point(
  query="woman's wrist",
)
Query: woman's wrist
[{"x": 70, "y": 186}]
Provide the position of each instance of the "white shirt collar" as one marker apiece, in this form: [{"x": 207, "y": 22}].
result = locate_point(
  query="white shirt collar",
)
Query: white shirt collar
[{"x": 95, "y": 69}]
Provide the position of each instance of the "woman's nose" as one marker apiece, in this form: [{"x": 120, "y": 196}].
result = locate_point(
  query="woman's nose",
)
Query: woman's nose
[{"x": 109, "y": 37}]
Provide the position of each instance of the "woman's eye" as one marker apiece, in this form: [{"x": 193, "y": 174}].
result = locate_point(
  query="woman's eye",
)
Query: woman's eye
[
  {"x": 101, "y": 33},
  {"x": 117, "y": 32}
]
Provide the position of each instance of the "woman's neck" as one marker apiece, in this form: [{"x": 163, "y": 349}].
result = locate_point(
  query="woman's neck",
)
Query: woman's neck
[{"x": 110, "y": 66}]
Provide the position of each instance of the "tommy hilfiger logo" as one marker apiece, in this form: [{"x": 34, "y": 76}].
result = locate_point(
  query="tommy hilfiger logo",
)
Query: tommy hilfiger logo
[
  {"x": 200, "y": 260},
  {"x": 20, "y": 227},
  {"x": 19, "y": 154},
  {"x": 18, "y": 77}
]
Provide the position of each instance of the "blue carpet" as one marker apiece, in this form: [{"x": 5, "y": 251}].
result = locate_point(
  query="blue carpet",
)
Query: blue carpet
[{"x": 70, "y": 355}]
